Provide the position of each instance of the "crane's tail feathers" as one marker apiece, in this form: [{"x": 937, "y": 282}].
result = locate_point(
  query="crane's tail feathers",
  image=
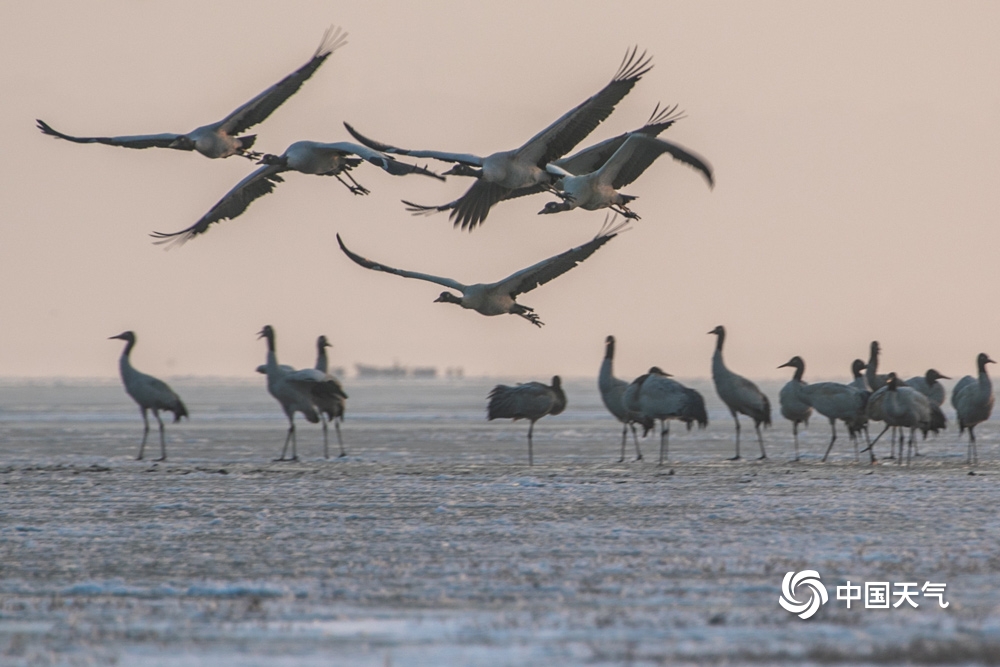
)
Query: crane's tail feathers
[
  {"x": 632, "y": 68},
  {"x": 666, "y": 116},
  {"x": 612, "y": 226},
  {"x": 333, "y": 38}
]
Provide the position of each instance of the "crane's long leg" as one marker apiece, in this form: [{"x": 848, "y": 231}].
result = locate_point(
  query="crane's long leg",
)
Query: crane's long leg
[
  {"x": 531, "y": 460},
  {"x": 356, "y": 188},
  {"x": 145, "y": 432},
  {"x": 973, "y": 455},
  {"x": 288, "y": 438},
  {"x": 899, "y": 461},
  {"x": 624, "y": 438},
  {"x": 340, "y": 440},
  {"x": 871, "y": 444},
  {"x": 638, "y": 452},
  {"x": 760, "y": 441},
  {"x": 163, "y": 443},
  {"x": 795, "y": 435},
  {"x": 326, "y": 444},
  {"x": 911, "y": 445},
  {"x": 833, "y": 438},
  {"x": 737, "y": 419},
  {"x": 664, "y": 441}
]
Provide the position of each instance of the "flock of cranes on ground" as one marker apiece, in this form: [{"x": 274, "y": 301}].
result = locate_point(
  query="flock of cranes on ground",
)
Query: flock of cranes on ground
[
  {"x": 654, "y": 396},
  {"x": 589, "y": 179}
]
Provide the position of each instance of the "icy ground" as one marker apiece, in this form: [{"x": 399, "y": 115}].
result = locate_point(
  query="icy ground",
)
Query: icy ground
[{"x": 434, "y": 543}]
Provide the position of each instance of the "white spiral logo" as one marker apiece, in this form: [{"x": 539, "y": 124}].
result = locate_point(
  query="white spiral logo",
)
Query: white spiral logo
[{"x": 817, "y": 595}]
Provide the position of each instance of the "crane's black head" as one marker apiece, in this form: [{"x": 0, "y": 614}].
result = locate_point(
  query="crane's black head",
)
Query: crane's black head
[
  {"x": 267, "y": 332},
  {"x": 875, "y": 348},
  {"x": 718, "y": 331},
  {"x": 555, "y": 207},
  {"x": 983, "y": 359},
  {"x": 892, "y": 381},
  {"x": 794, "y": 362},
  {"x": 464, "y": 170},
  {"x": 656, "y": 370},
  {"x": 857, "y": 367},
  {"x": 933, "y": 376},
  {"x": 322, "y": 342},
  {"x": 556, "y": 382},
  {"x": 182, "y": 143},
  {"x": 268, "y": 158},
  {"x": 448, "y": 297},
  {"x": 127, "y": 336}
]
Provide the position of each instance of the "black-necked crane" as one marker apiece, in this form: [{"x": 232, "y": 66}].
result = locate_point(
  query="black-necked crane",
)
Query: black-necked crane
[
  {"x": 739, "y": 394},
  {"x": 219, "y": 139},
  {"x": 858, "y": 367},
  {"x": 331, "y": 404},
  {"x": 499, "y": 298},
  {"x": 150, "y": 393},
  {"x": 296, "y": 391},
  {"x": 794, "y": 406},
  {"x": 498, "y": 174},
  {"x": 656, "y": 396},
  {"x": 584, "y": 161},
  {"x": 612, "y": 391},
  {"x": 905, "y": 407},
  {"x": 972, "y": 399},
  {"x": 832, "y": 400},
  {"x": 306, "y": 157},
  {"x": 531, "y": 401},
  {"x": 928, "y": 385},
  {"x": 598, "y": 189},
  {"x": 874, "y": 379}
]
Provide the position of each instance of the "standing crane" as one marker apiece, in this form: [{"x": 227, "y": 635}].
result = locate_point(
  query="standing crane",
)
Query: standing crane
[
  {"x": 832, "y": 400},
  {"x": 739, "y": 394},
  {"x": 296, "y": 391},
  {"x": 612, "y": 391},
  {"x": 150, "y": 393},
  {"x": 905, "y": 407},
  {"x": 531, "y": 401},
  {"x": 794, "y": 406},
  {"x": 330, "y": 404},
  {"x": 972, "y": 399},
  {"x": 655, "y": 396}
]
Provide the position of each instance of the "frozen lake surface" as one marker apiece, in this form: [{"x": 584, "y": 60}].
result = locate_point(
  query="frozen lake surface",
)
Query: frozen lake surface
[{"x": 434, "y": 543}]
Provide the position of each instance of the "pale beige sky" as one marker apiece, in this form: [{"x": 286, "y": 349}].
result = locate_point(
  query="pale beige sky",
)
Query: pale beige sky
[{"x": 856, "y": 148}]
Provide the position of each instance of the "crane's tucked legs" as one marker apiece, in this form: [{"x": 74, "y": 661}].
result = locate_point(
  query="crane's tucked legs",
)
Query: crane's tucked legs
[{"x": 353, "y": 186}]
